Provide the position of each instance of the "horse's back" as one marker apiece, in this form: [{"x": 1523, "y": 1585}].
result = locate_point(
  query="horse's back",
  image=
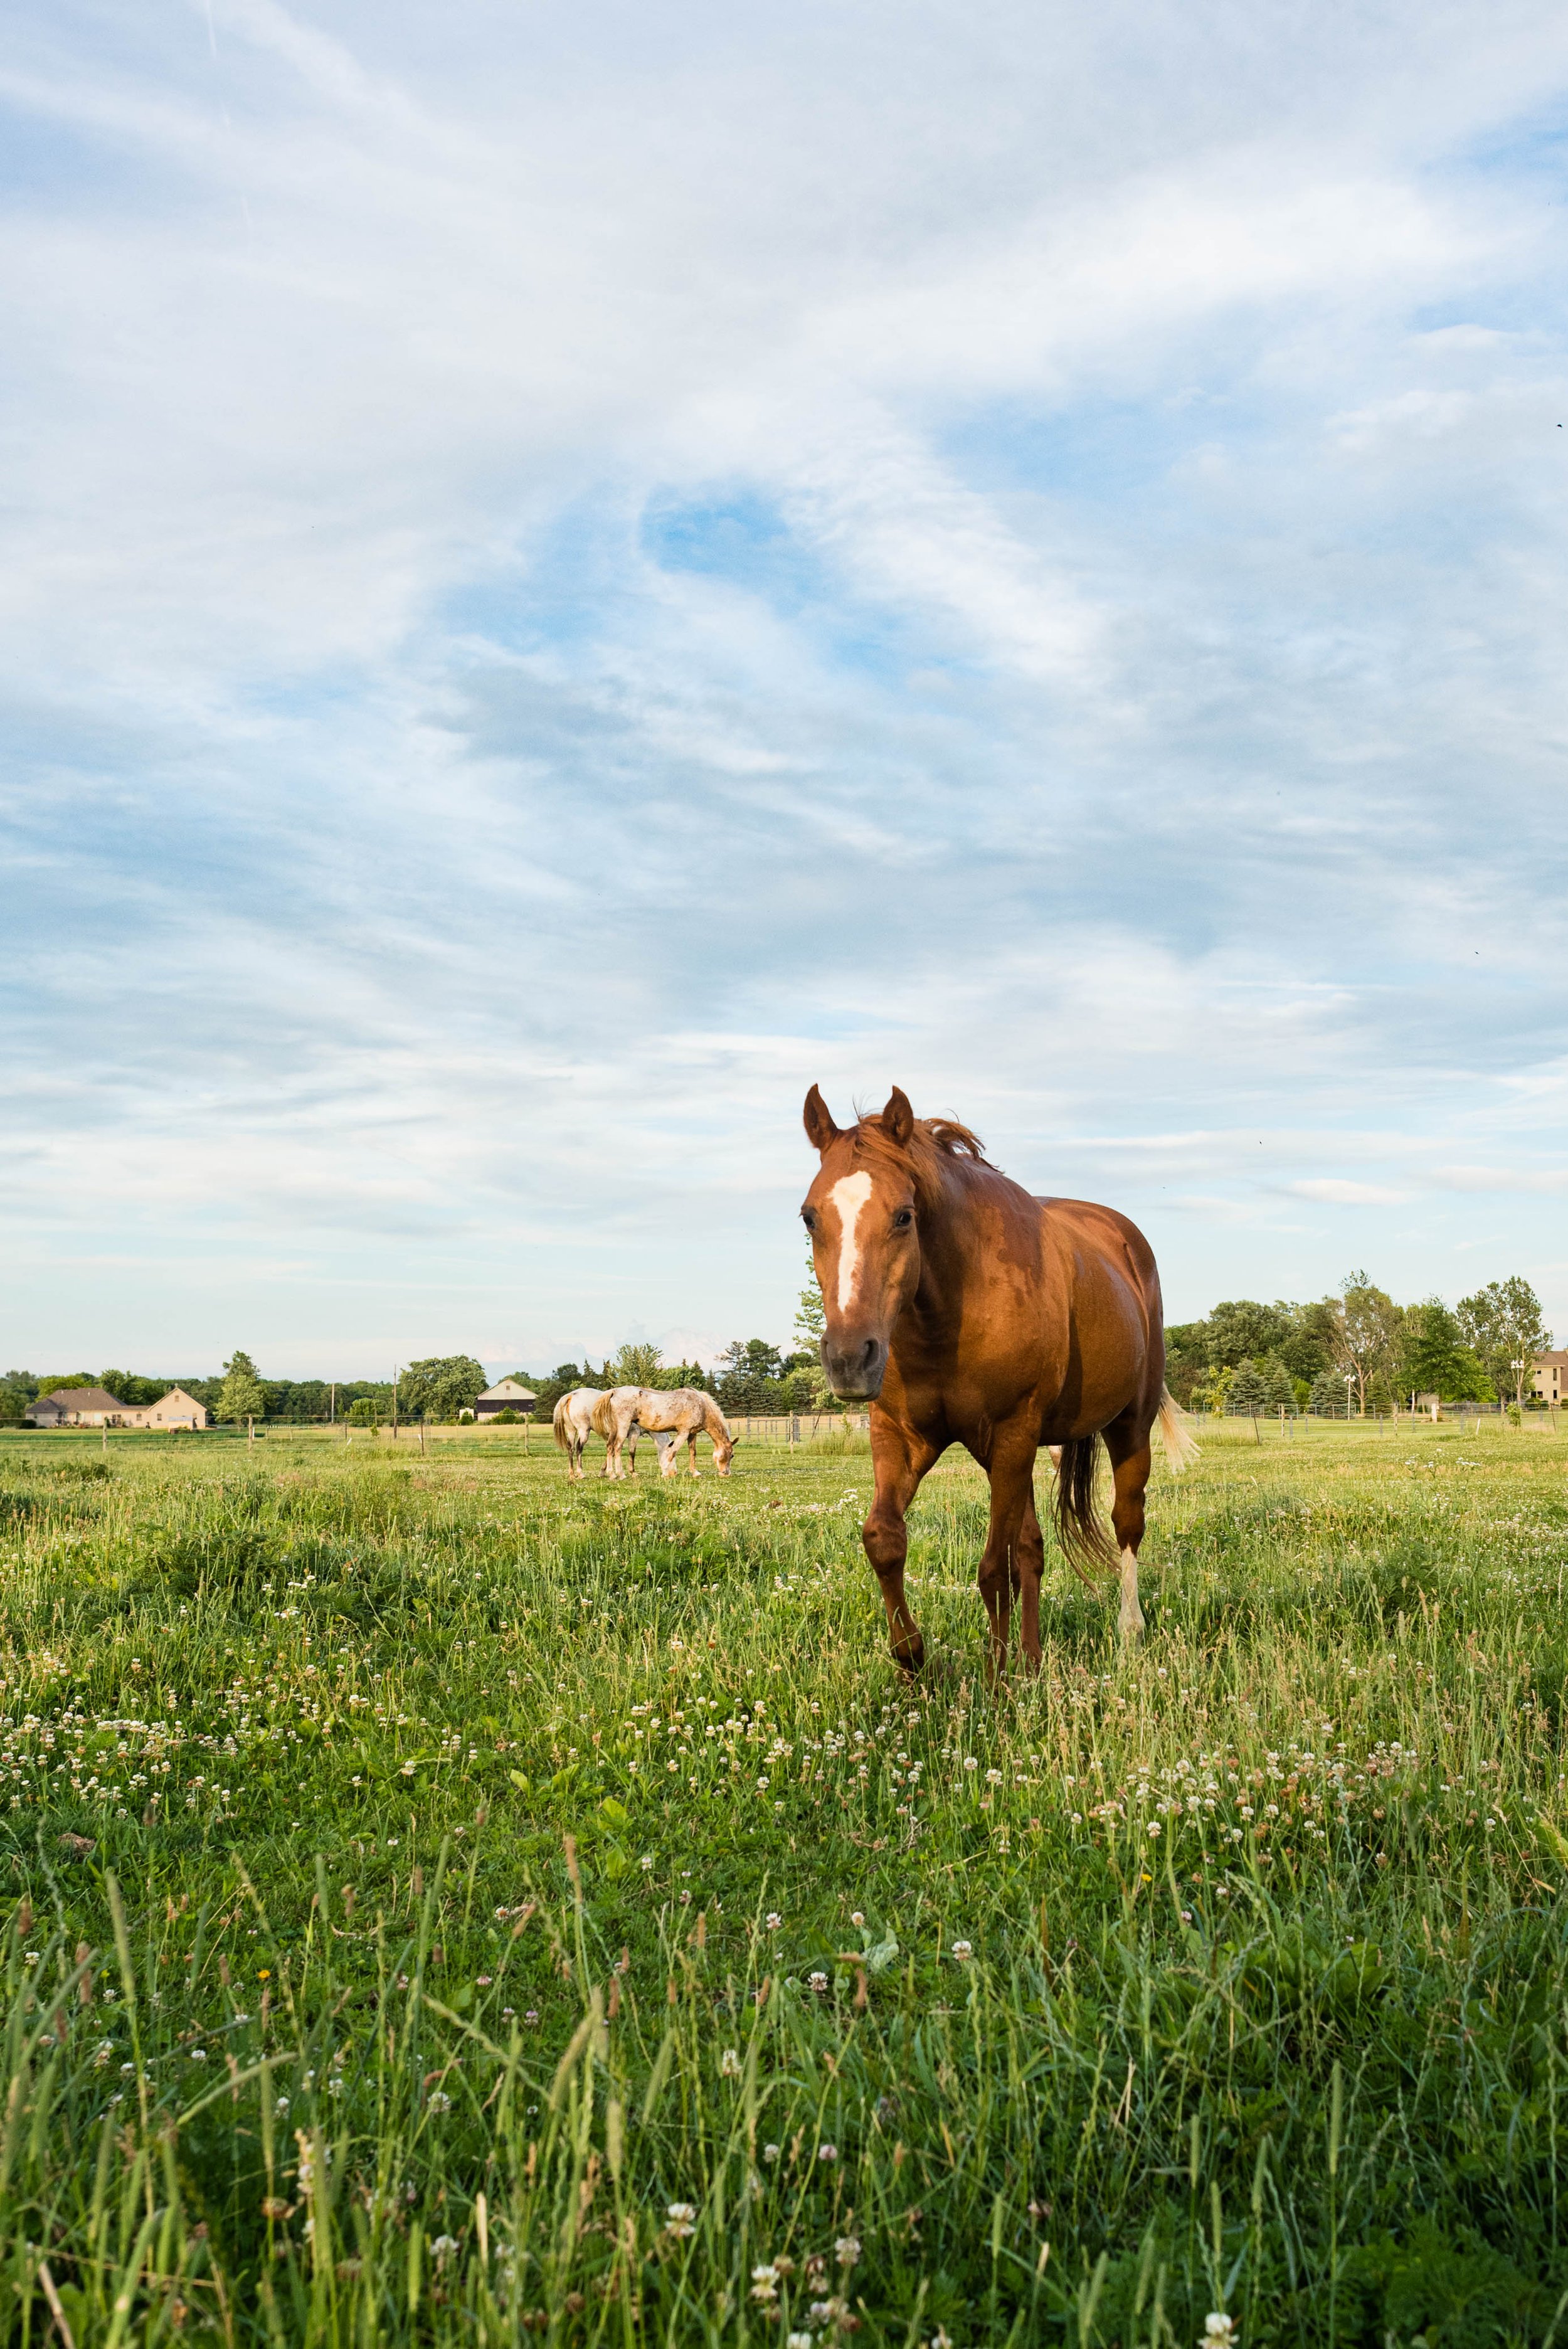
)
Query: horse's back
[{"x": 1089, "y": 1227}]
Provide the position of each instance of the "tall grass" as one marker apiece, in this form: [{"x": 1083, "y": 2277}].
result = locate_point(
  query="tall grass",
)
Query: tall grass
[{"x": 444, "y": 1905}]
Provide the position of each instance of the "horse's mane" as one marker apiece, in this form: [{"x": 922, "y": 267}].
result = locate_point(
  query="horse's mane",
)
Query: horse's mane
[{"x": 934, "y": 1141}]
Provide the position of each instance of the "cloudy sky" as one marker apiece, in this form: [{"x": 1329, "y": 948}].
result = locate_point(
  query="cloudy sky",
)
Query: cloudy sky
[{"x": 569, "y": 571}]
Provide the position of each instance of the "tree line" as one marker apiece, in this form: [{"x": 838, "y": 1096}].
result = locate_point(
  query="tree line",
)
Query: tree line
[{"x": 1359, "y": 1350}]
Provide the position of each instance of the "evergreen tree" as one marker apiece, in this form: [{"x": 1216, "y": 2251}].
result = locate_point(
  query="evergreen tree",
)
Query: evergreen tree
[{"x": 1249, "y": 1390}]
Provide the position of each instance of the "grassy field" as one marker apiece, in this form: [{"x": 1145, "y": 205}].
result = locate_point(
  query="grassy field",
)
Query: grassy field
[{"x": 443, "y": 1905}]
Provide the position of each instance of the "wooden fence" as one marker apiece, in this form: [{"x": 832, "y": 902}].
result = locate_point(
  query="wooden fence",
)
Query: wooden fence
[{"x": 802, "y": 1427}]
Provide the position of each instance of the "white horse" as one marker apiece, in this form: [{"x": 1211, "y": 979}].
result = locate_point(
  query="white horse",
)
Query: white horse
[
  {"x": 671, "y": 1415},
  {"x": 573, "y": 1423}
]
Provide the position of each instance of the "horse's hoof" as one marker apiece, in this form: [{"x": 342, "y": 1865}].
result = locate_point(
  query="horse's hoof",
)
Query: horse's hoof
[{"x": 908, "y": 1654}]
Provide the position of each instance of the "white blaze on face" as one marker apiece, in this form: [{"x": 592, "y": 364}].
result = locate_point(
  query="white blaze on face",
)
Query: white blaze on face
[{"x": 849, "y": 1196}]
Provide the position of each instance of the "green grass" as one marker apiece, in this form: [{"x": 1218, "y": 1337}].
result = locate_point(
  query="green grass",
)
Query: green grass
[{"x": 392, "y": 1954}]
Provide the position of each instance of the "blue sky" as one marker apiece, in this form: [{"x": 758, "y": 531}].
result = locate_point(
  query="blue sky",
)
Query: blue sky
[{"x": 570, "y": 572}]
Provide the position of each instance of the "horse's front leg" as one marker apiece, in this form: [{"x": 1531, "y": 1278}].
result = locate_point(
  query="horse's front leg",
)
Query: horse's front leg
[
  {"x": 1012, "y": 1471},
  {"x": 691, "y": 1453},
  {"x": 900, "y": 1459}
]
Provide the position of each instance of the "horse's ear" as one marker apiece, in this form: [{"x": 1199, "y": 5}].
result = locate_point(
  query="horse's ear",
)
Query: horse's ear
[
  {"x": 820, "y": 1131},
  {"x": 897, "y": 1118}
]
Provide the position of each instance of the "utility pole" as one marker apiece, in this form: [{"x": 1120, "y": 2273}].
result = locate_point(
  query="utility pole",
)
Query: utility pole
[
  {"x": 397, "y": 1374},
  {"x": 332, "y": 1406}
]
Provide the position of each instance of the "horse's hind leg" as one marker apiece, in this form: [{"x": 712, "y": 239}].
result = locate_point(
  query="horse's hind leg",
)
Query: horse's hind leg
[
  {"x": 1128, "y": 1445},
  {"x": 1011, "y": 1468},
  {"x": 1031, "y": 1561}
]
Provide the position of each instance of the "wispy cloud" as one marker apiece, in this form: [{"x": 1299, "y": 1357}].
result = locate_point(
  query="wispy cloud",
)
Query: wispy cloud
[{"x": 563, "y": 583}]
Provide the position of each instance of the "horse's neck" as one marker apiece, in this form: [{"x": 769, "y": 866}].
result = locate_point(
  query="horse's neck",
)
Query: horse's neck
[{"x": 954, "y": 1253}]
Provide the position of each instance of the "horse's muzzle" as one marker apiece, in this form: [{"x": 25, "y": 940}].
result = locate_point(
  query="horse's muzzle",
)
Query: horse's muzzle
[{"x": 855, "y": 1373}]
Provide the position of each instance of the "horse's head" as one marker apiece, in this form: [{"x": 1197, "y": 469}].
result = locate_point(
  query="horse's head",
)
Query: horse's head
[
  {"x": 723, "y": 1452},
  {"x": 861, "y": 1212}
]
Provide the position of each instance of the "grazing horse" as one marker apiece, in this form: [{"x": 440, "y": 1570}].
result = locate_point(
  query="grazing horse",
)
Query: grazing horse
[
  {"x": 615, "y": 1418},
  {"x": 673, "y": 1415},
  {"x": 574, "y": 1422},
  {"x": 967, "y": 1312}
]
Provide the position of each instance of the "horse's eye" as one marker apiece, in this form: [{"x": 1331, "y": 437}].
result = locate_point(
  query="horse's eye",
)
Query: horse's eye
[
  {"x": 809, "y": 1217},
  {"x": 902, "y": 1219}
]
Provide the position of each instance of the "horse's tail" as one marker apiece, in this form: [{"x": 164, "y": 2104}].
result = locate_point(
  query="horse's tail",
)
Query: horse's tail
[
  {"x": 558, "y": 1418},
  {"x": 1085, "y": 1542},
  {"x": 1181, "y": 1449},
  {"x": 603, "y": 1415}
]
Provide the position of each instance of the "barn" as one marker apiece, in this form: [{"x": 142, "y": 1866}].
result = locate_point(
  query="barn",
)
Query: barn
[{"x": 507, "y": 1394}]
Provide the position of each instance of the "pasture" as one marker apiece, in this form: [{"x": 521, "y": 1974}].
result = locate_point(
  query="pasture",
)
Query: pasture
[{"x": 443, "y": 1905}]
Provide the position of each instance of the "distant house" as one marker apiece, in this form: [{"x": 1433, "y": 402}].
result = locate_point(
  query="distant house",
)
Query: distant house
[
  {"x": 96, "y": 1407},
  {"x": 176, "y": 1409},
  {"x": 508, "y": 1394},
  {"x": 1551, "y": 1375}
]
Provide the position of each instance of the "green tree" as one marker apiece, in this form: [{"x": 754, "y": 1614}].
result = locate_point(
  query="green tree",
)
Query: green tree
[
  {"x": 1277, "y": 1380},
  {"x": 1309, "y": 1348},
  {"x": 1186, "y": 1358},
  {"x": 751, "y": 1377},
  {"x": 362, "y": 1411},
  {"x": 440, "y": 1386},
  {"x": 805, "y": 1379},
  {"x": 1365, "y": 1333},
  {"x": 1328, "y": 1395},
  {"x": 125, "y": 1387},
  {"x": 1433, "y": 1357},
  {"x": 811, "y": 1320},
  {"x": 635, "y": 1366},
  {"x": 1249, "y": 1390},
  {"x": 1502, "y": 1324},
  {"x": 1241, "y": 1329},
  {"x": 241, "y": 1396}
]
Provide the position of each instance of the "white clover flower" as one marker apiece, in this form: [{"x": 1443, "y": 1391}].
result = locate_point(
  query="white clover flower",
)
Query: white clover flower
[
  {"x": 797, "y": 2341},
  {"x": 827, "y": 2153},
  {"x": 439, "y": 2102},
  {"x": 443, "y": 2247},
  {"x": 1218, "y": 2329},
  {"x": 970, "y": 1762},
  {"x": 765, "y": 2283},
  {"x": 681, "y": 2218},
  {"x": 856, "y": 1916},
  {"x": 993, "y": 1778},
  {"x": 963, "y": 1951},
  {"x": 818, "y": 1981},
  {"x": 770, "y": 2153},
  {"x": 847, "y": 2249},
  {"x": 647, "y": 1861},
  {"x": 773, "y": 1920},
  {"x": 730, "y": 2063},
  {"x": 1154, "y": 1826}
]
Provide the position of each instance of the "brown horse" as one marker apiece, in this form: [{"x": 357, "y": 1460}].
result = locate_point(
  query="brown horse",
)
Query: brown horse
[{"x": 968, "y": 1312}]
